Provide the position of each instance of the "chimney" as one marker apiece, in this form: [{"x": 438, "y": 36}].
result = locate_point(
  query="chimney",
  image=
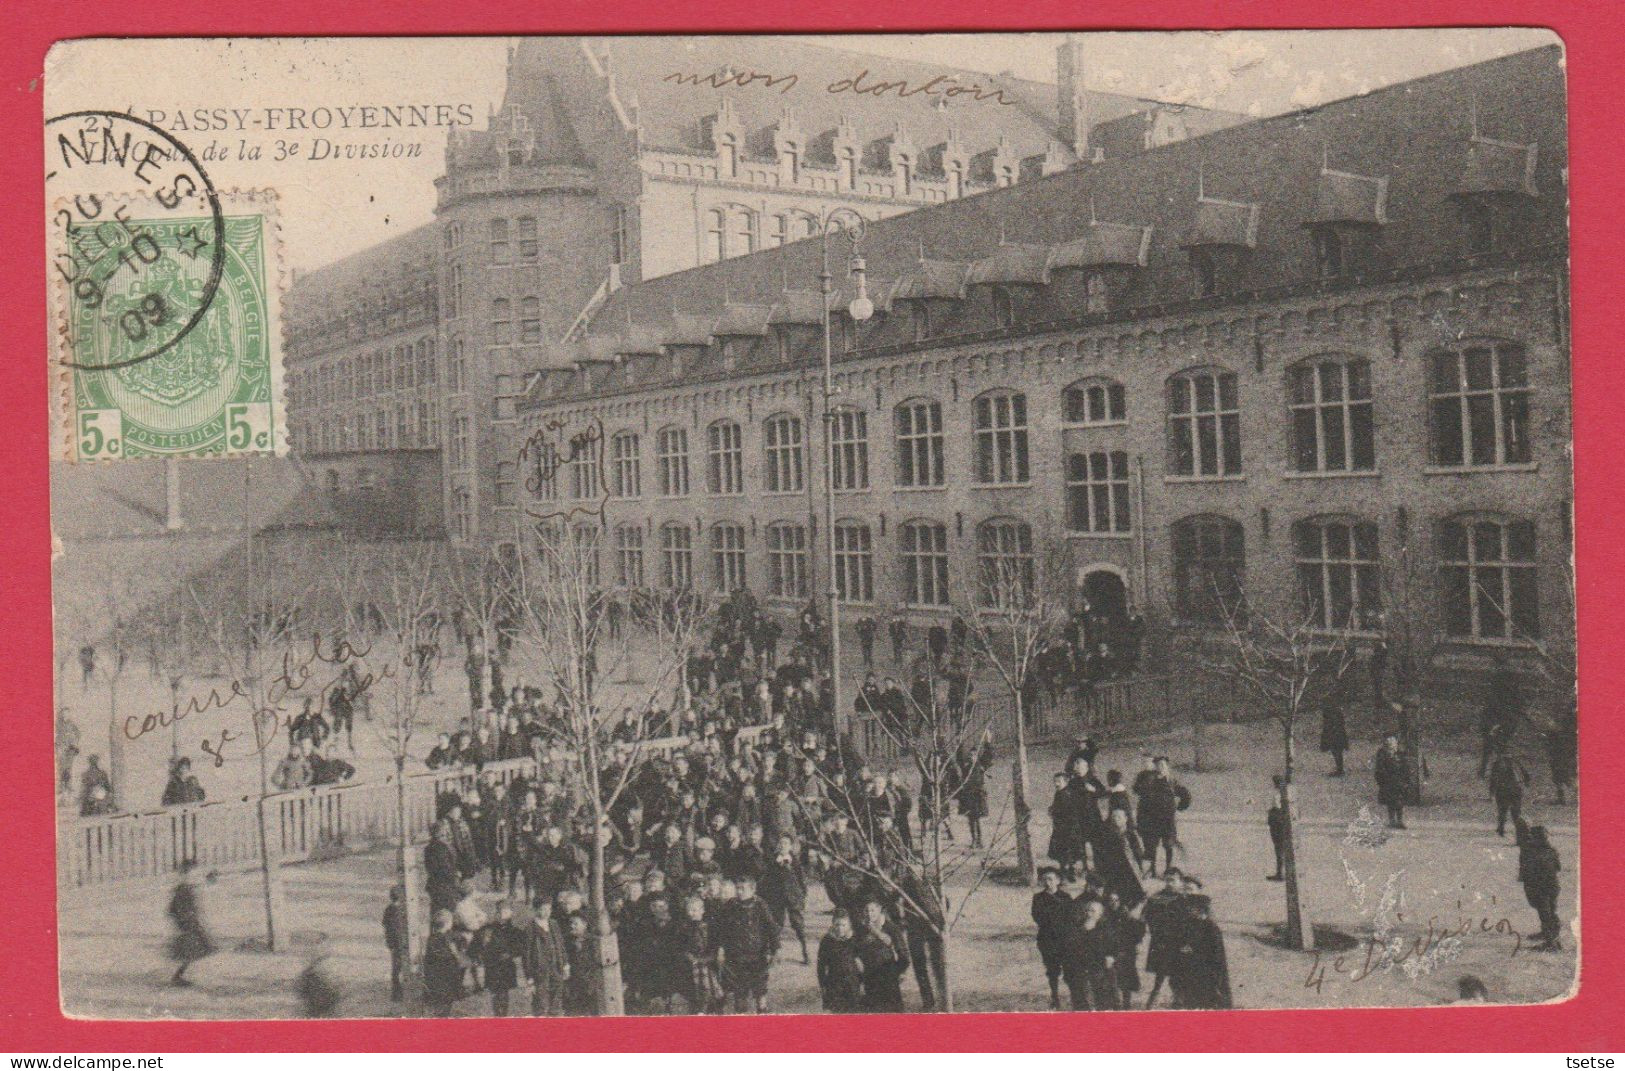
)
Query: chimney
[{"x": 1072, "y": 108}]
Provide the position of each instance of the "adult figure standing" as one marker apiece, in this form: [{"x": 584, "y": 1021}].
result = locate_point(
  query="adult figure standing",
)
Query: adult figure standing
[
  {"x": 190, "y": 941},
  {"x": 1161, "y": 799},
  {"x": 1388, "y": 767},
  {"x": 1334, "y": 734}
]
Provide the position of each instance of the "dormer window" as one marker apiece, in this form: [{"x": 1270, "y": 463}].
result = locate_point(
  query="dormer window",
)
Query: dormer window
[
  {"x": 1097, "y": 293},
  {"x": 1204, "y": 273},
  {"x": 1331, "y": 254},
  {"x": 920, "y": 318},
  {"x": 1004, "y": 310},
  {"x": 784, "y": 345},
  {"x": 1478, "y": 226}
]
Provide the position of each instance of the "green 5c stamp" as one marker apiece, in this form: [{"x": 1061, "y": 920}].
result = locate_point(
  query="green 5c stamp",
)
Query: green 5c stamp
[{"x": 171, "y": 340}]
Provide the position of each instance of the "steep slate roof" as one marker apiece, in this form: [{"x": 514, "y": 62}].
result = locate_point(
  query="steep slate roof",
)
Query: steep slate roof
[
  {"x": 378, "y": 265},
  {"x": 1416, "y": 136}
]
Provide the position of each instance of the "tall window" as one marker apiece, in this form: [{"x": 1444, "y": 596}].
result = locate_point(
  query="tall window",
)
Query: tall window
[
  {"x": 1337, "y": 573},
  {"x": 1209, "y": 568},
  {"x": 454, "y": 292},
  {"x": 1487, "y": 571},
  {"x": 1001, "y": 437},
  {"x": 505, "y": 483},
  {"x": 620, "y": 236},
  {"x": 629, "y": 556},
  {"x": 457, "y": 368},
  {"x": 1004, "y": 551},
  {"x": 920, "y": 319},
  {"x": 920, "y": 444},
  {"x": 463, "y": 514},
  {"x": 725, "y": 474},
  {"x": 501, "y": 321},
  {"x": 584, "y": 545},
  {"x": 1097, "y": 294},
  {"x": 584, "y": 472},
  {"x": 854, "y": 562},
  {"x": 1332, "y": 426},
  {"x": 625, "y": 465},
  {"x": 1479, "y": 398},
  {"x": 849, "y": 443},
  {"x": 1204, "y": 424},
  {"x": 1004, "y": 309},
  {"x": 741, "y": 231},
  {"x": 459, "y": 442},
  {"x": 672, "y": 451},
  {"x": 925, "y": 563},
  {"x": 543, "y": 480},
  {"x": 1097, "y": 492},
  {"x": 1204, "y": 272},
  {"x": 530, "y": 320},
  {"x": 787, "y": 561},
  {"x": 526, "y": 227},
  {"x": 499, "y": 241},
  {"x": 676, "y": 557},
  {"x": 1098, "y": 401},
  {"x": 781, "y": 441},
  {"x": 728, "y": 557}
]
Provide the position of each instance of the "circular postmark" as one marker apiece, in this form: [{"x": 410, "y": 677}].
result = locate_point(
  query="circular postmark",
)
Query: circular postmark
[{"x": 138, "y": 280}]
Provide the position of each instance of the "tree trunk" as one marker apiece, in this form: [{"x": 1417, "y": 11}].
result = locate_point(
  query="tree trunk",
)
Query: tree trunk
[
  {"x": 271, "y": 879},
  {"x": 115, "y": 750},
  {"x": 1300, "y": 933},
  {"x": 609, "y": 947},
  {"x": 1025, "y": 858},
  {"x": 411, "y": 901},
  {"x": 945, "y": 991}
]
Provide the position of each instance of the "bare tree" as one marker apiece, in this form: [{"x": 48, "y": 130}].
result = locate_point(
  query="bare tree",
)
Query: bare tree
[
  {"x": 1288, "y": 668},
  {"x": 564, "y": 625},
  {"x": 1017, "y": 610},
  {"x": 950, "y": 750}
]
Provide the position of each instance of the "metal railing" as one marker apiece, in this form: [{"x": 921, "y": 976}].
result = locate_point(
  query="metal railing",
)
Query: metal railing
[{"x": 302, "y": 825}]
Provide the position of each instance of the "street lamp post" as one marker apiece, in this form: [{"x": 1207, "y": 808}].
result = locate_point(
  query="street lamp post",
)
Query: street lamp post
[{"x": 851, "y": 224}]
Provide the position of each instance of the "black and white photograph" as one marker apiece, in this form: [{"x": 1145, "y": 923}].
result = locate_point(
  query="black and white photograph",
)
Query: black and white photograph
[{"x": 816, "y": 525}]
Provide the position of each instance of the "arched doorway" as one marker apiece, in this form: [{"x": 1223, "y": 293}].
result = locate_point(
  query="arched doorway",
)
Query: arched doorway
[{"x": 1105, "y": 593}]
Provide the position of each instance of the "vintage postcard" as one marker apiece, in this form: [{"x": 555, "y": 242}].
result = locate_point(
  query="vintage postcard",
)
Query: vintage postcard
[{"x": 670, "y": 526}]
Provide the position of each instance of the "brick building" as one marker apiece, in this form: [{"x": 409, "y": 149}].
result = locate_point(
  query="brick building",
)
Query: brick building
[
  {"x": 613, "y": 160},
  {"x": 1320, "y": 359}
]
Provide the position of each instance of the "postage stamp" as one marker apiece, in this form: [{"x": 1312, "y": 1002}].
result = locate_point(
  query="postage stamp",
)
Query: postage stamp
[{"x": 168, "y": 339}]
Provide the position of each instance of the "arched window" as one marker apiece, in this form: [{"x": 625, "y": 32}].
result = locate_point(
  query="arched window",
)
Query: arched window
[
  {"x": 629, "y": 556},
  {"x": 849, "y": 443},
  {"x": 728, "y": 557},
  {"x": 1478, "y": 396},
  {"x": 1094, "y": 401},
  {"x": 854, "y": 562},
  {"x": 1004, "y": 553},
  {"x": 626, "y": 472},
  {"x": 920, "y": 443},
  {"x": 1332, "y": 421},
  {"x": 741, "y": 231},
  {"x": 725, "y": 472},
  {"x": 671, "y": 447},
  {"x": 782, "y": 450},
  {"x": 1488, "y": 578},
  {"x": 1209, "y": 557},
  {"x": 925, "y": 563},
  {"x": 1338, "y": 575},
  {"x": 1000, "y": 420},
  {"x": 676, "y": 557},
  {"x": 716, "y": 230},
  {"x": 787, "y": 560},
  {"x": 1204, "y": 424},
  {"x": 1097, "y": 492}
]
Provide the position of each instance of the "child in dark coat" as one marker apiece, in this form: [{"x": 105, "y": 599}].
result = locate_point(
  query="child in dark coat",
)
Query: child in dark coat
[{"x": 840, "y": 975}]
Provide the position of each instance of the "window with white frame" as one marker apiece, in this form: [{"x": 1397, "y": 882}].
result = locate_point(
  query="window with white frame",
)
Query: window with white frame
[
  {"x": 671, "y": 447},
  {"x": 725, "y": 470},
  {"x": 781, "y": 445},
  {"x": 854, "y": 562},
  {"x": 676, "y": 557},
  {"x": 584, "y": 543},
  {"x": 1097, "y": 401},
  {"x": 584, "y": 471},
  {"x": 459, "y": 442},
  {"x": 1488, "y": 578},
  {"x": 728, "y": 557},
  {"x": 849, "y": 441},
  {"x": 1209, "y": 556},
  {"x": 1204, "y": 424},
  {"x": 499, "y": 241},
  {"x": 1338, "y": 576},
  {"x": 626, "y": 473},
  {"x": 620, "y": 236},
  {"x": 715, "y": 234},
  {"x": 787, "y": 560},
  {"x": 1004, "y": 552},
  {"x": 1478, "y": 397},
  {"x": 629, "y": 556},
  {"x": 1000, "y": 427},
  {"x": 457, "y": 368},
  {"x": 1333, "y": 428},
  {"x": 526, "y": 233},
  {"x": 1097, "y": 492},
  {"x": 925, "y": 563},
  {"x": 920, "y": 444}
]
